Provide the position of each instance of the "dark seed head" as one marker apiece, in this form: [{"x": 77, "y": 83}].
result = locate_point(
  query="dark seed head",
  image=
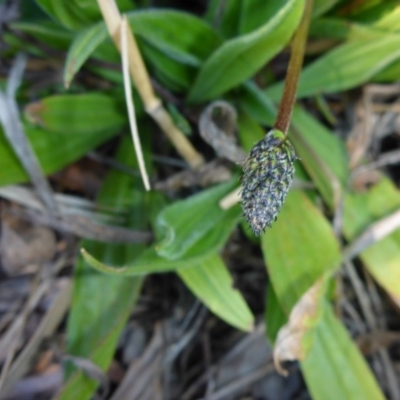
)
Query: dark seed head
[{"x": 267, "y": 176}]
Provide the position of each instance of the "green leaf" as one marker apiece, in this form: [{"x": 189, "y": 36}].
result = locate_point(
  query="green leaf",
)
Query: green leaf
[
  {"x": 47, "y": 32},
  {"x": 384, "y": 15},
  {"x": 68, "y": 12},
  {"x": 391, "y": 73},
  {"x": 180, "y": 36},
  {"x": 250, "y": 132},
  {"x": 211, "y": 282},
  {"x": 184, "y": 222},
  {"x": 102, "y": 304},
  {"x": 173, "y": 42},
  {"x": 345, "y": 67},
  {"x": 254, "y": 13},
  {"x": 322, "y": 6},
  {"x": 225, "y": 16},
  {"x": 275, "y": 317},
  {"x": 82, "y": 48},
  {"x": 326, "y": 160},
  {"x": 334, "y": 367},
  {"x": 335, "y": 28},
  {"x": 256, "y": 104},
  {"x": 295, "y": 260},
  {"x": 238, "y": 59},
  {"x": 197, "y": 247},
  {"x": 54, "y": 151},
  {"x": 360, "y": 210},
  {"x": 79, "y": 113},
  {"x": 171, "y": 73}
]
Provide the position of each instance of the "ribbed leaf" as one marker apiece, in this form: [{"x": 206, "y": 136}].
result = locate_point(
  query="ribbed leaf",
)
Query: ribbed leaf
[
  {"x": 181, "y": 36},
  {"x": 82, "y": 48},
  {"x": 101, "y": 304},
  {"x": 211, "y": 282},
  {"x": 295, "y": 260},
  {"x": 185, "y": 222},
  {"x": 334, "y": 368},
  {"x": 79, "y": 113},
  {"x": 345, "y": 67},
  {"x": 188, "y": 231},
  {"x": 54, "y": 151},
  {"x": 240, "y": 58}
]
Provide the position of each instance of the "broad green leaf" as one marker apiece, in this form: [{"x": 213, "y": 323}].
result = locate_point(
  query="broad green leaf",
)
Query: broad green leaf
[
  {"x": 254, "y": 13},
  {"x": 294, "y": 258},
  {"x": 173, "y": 42},
  {"x": 47, "y": 32},
  {"x": 185, "y": 222},
  {"x": 322, "y": 6},
  {"x": 82, "y": 48},
  {"x": 360, "y": 210},
  {"x": 326, "y": 160},
  {"x": 53, "y": 150},
  {"x": 345, "y": 67},
  {"x": 211, "y": 282},
  {"x": 389, "y": 74},
  {"x": 79, "y": 113},
  {"x": 172, "y": 74},
  {"x": 66, "y": 12},
  {"x": 384, "y": 15},
  {"x": 78, "y": 14},
  {"x": 340, "y": 29},
  {"x": 334, "y": 367},
  {"x": 240, "y": 58},
  {"x": 256, "y": 104},
  {"x": 181, "y": 36},
  {"x": 197, "y": 248},
  {"x": 225, "y": 16},
  {"x": 275, "y": 317},
  {"x": 102, "y": 304},
  {"x": 250, "y": 132}
]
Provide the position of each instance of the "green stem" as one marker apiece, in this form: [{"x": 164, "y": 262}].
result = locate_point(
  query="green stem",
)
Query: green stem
[{"x": 292, "y": 76}]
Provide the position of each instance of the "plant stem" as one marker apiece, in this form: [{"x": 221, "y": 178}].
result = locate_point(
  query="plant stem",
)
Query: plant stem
[{"x": 292, "y": 76}]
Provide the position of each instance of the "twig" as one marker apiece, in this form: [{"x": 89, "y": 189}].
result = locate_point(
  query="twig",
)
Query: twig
[
  {"x": 242, "y": 383},
  {"x": 231, "y": 199},
  {"x": 142, "y": 82},
  {"x": 375, "y": 232},
  {"x": 82, "y": 226}
]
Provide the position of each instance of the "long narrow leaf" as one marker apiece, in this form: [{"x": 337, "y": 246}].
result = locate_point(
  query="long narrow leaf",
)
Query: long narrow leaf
[
  {"x": 211, "y": 282},
  {"x": 101, "y": 304}
]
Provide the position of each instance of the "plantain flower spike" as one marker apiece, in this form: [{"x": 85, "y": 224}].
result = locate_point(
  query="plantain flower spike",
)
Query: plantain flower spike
[{"x": 267, "y": 176}]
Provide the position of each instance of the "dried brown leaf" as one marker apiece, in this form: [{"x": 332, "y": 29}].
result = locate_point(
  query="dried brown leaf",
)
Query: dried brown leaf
[{"x": 289, "y": 344}]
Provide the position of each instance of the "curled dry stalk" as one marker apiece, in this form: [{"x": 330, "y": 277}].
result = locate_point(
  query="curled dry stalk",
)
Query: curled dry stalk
[
  {"x": 139, "y": 74},
  {"x": 268, "y": 170}
]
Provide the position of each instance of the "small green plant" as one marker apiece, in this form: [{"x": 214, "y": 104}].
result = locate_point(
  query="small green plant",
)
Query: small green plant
[{"x": 232, "y": 52}]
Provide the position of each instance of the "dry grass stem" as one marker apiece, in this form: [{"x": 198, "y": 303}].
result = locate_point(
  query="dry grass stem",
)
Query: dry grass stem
[
  {"x": 130, "y": 105},
  {"x": 15, "y": 134},
  {"x": 142, "y": 82},
  {"x": 376, "y": 232},
  {"x": 230, "y": 199}
]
